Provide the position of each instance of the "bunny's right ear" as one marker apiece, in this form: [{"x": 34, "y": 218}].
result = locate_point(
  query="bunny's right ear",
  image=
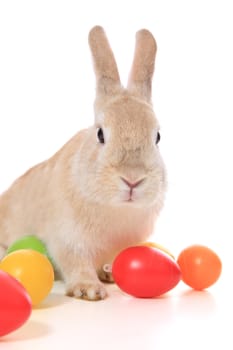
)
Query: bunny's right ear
[{"x": 107, "y": 76}]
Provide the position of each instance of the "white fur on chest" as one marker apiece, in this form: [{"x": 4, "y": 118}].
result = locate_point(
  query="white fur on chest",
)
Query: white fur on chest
[{"x": 103, "y": 232}]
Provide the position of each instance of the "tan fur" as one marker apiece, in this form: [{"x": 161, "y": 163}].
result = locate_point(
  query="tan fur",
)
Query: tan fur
[
  {"x": 77, "y": 201},
  {"x": 140, "y": 78}
]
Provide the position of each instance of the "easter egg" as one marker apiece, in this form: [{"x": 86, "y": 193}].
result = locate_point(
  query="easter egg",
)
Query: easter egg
[
  {"x": 15, "y": 304},
  {"x": 200, "y": 266},
  {"x": 157, "y": 246},
  {"x": 29, "y": 242},
  {"x": 145, "y": 272},
  {"x": 33, "y": 270}
]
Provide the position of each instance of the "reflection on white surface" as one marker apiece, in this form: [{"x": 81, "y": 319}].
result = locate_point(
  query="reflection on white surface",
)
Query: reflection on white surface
[{"x": 182, "y": 318}]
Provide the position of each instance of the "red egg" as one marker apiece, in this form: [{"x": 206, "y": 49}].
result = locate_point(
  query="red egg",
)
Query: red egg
[
  {"x": 145, "y": 272},
  {"x": 15, "y": 304}
]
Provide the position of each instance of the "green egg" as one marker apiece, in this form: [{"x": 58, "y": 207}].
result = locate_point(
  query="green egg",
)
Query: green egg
[{"x": 29, "y": 242}]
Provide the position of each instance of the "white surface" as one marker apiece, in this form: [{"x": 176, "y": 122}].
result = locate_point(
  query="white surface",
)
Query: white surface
[
  {"x": 181, "y": 319},
  {"x": 46, "y": 95}
]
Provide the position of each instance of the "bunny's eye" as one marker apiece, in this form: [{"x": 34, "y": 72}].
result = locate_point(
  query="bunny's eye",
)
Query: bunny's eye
[
  {"x": 158, "y": 137},
  {"x": 100, "y": 135}
]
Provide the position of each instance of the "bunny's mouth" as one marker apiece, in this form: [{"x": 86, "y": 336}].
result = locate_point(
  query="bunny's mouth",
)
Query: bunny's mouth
[
  {"x": 130, "y": 190},
  {"x": 129, "y": 200},
  {"x": 130, "y": 197}
]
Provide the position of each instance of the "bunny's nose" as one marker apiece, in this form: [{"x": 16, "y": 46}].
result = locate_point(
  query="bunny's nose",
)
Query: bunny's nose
[{"x": 132, "y": 184}]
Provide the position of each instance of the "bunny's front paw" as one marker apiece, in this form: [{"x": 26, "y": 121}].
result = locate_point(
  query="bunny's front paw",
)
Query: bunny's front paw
[{"x": 88, "y": 290}]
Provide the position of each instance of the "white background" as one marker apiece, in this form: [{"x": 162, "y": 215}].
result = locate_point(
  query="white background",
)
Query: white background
[{"x": 47, "y": 90}]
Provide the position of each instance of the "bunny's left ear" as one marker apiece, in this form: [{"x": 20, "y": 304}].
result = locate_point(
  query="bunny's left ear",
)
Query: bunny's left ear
[{"x": 140, "y": 79}]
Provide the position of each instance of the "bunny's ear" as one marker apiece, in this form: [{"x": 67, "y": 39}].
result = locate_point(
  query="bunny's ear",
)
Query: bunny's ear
[
  {"x": 140, "y": 79},
  {"x": 107, "y": 76}
]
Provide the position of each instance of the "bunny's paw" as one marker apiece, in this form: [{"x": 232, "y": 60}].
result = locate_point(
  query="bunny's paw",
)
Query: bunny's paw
[{"x": 88, "y": 290}]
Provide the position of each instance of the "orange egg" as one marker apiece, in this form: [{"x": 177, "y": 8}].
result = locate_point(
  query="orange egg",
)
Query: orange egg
[{"x": 200, "y": 266}]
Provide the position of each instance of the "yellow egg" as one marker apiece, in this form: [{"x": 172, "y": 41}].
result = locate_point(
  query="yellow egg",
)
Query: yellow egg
[
  {"x": 33, "y": 270},
  {"x": 158, "y": 246}
]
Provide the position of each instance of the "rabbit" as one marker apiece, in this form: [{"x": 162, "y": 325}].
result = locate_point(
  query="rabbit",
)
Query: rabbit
[{"x": 104, "y": 189}]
